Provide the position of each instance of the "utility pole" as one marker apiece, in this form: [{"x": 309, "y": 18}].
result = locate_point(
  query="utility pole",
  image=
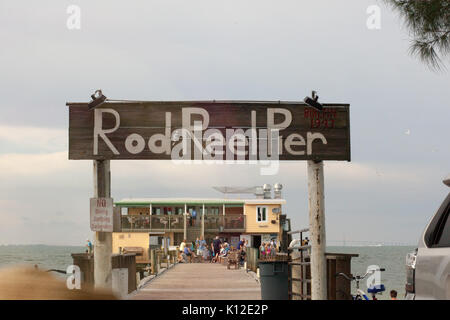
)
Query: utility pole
[
  {"x": 103, "y": 240},
  {"x": 317, "y": 230}
]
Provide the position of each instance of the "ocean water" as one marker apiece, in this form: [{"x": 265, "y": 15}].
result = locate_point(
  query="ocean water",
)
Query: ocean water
[
  {"x": 392, "y": 258},
  {"x": 45, "y": 257}
]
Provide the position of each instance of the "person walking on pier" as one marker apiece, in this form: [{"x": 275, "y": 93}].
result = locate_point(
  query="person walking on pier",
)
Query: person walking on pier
[
  {"x": 182, "y": 245},
  {"x": 89, "y": 246},
  {"x": 201, "y": 246},
  {"x": 216, "y": 246}
]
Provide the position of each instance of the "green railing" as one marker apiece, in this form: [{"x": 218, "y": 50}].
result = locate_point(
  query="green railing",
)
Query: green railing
[
  {"x": 224, "y": 223},
  {"x": 216, "y": 223},
  {"x": 152, "y": 222}
]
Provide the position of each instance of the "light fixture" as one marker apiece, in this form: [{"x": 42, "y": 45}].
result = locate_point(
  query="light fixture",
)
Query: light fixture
[
  {"x": 313, "y": 102},
  {"x": 97, "y": 99}
]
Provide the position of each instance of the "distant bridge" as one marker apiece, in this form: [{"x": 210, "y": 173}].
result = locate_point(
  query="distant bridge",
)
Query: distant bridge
[{"x": 359, "y": 243}]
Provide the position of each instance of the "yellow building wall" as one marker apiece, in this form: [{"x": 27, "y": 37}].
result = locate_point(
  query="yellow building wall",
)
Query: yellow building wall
[
  {"x": 144, "y": 211},
  {"x": 131, "y": 239},
  {"x": 135, "y": 239},
  {"x": 252, "y": 226}
]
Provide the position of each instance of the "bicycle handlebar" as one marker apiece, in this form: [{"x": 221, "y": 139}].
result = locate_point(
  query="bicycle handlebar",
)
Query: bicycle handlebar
[{"x": 358, "y": 277}]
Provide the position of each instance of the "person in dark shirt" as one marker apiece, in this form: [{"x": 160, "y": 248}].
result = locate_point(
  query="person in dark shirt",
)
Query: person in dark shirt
[
  {"x": 216, "y": 245},
  {"x": 240, "y": 244},
  {"x": 194, "y": 218}
]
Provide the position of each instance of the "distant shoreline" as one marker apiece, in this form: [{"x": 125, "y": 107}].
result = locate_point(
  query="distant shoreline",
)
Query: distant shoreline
[
  {"x": 328, "y": 246},
  {"x": 40, "y": 245}
]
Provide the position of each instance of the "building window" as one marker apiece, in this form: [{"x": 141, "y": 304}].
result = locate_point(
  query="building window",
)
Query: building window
[
  {"x": 213, "y": 210},
  {"x": 261, "y": 214}
]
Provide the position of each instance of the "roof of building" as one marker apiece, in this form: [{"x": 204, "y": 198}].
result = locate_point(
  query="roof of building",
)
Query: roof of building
[{"x": 190, "y": 201}]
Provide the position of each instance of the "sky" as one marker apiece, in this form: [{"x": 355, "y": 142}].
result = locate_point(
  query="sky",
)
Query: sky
[{"x": 231, "y": 50}]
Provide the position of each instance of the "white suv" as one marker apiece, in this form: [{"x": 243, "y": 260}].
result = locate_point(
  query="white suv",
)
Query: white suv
[{"x": 428, "y": 269}]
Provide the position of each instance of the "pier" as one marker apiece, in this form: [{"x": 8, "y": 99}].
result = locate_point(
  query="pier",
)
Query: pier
[{"x": 201, "y": 281}]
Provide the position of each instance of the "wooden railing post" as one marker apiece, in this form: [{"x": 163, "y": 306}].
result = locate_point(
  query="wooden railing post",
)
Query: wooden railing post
[
  {"x": 158, "y": 263},
  {"x": 153, "y": 261},
  {"x": 203, "y": 221}
]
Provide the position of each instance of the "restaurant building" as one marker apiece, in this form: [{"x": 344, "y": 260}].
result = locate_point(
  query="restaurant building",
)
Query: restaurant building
[{"x": 258, "y": 219}]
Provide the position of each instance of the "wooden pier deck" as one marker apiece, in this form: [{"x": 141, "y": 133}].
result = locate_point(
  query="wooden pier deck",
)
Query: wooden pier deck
[{"x": 201, "y": 281}]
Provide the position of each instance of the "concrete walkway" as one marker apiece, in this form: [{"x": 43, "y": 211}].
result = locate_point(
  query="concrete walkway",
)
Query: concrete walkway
[{"x": 201, "y": 281}]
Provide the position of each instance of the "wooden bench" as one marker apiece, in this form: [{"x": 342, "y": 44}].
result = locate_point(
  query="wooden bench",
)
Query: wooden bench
[{"x": 233, "y": 259}]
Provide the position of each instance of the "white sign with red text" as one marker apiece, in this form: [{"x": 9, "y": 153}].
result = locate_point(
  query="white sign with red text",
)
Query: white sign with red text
[{"x": 102, "y": 214}]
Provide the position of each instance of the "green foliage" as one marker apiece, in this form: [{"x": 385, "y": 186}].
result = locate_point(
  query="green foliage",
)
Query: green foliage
[{"x": 429, "y": 24}]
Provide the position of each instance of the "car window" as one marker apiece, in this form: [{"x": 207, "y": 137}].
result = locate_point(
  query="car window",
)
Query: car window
[
  {"x": 443, "y": 235},
  {"x": 435, "y": 229}
]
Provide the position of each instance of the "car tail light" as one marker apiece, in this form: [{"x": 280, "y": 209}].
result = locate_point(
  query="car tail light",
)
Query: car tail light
[{"x": 410, "y": 272}]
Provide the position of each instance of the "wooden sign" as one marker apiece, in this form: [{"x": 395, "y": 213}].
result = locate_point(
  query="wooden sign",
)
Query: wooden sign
[
  {"x": 102, "y": 214},
  {"x": 214, "y": 131}
]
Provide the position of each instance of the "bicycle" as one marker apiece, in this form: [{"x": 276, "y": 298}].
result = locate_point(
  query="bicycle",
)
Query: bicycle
[{"x": 360, "y": 294}]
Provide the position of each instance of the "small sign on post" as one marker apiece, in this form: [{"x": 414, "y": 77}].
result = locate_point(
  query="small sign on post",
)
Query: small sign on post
[{"x": 102, "y": 214}]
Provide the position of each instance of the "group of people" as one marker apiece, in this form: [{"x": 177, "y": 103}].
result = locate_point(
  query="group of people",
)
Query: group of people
[
  {"x": 268, "y": 249},
  {"x": 213, "y": 253}
]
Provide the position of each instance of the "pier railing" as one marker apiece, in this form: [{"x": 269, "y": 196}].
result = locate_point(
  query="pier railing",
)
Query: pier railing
[
  {"x": 224, "y": 223},
  {"x": 213, "y": 223},
  {"x": 234, "y": 222},
  {"x": 152, "y": 222}
]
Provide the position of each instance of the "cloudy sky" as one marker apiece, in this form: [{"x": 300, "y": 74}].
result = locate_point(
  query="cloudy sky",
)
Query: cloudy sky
[{"x": 249, "y": 50}]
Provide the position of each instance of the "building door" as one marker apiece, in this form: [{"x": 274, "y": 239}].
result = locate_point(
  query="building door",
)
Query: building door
[
  {"x": 256, "y": 240},
  {"x": 177, "y": 238}
]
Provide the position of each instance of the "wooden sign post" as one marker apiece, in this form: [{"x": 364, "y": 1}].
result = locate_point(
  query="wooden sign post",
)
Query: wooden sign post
[
  {"x": 103, "y": 240},
  {"x": 316, "y": 204},
  {"x": 215, "y": 131}
]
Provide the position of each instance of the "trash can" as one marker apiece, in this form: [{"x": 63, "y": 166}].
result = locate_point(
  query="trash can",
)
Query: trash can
[{"x": 273, "y": 276}]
